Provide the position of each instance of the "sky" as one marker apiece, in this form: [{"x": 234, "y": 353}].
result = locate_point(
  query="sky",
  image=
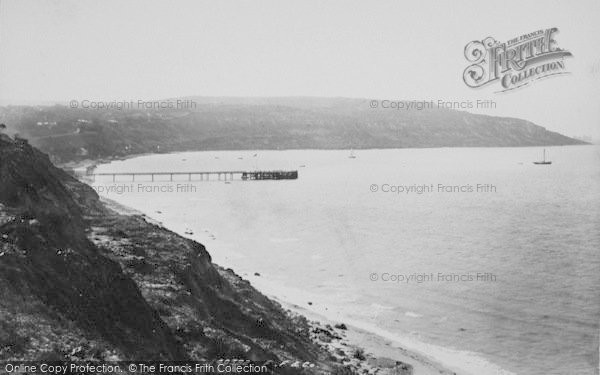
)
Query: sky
[{"x": 396, "y": 50}]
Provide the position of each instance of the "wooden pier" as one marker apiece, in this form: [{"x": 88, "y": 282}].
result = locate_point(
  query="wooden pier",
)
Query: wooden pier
[{"x": 202, "y": 176}]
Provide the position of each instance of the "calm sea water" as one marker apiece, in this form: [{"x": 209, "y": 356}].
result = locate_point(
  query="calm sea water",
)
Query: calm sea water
[{"x": 504, "y": 278}]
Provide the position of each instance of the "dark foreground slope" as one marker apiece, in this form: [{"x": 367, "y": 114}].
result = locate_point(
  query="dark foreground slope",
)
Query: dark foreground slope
[
  {"x": 78, "y": 280},
  {"x": 241, "y": 124}
]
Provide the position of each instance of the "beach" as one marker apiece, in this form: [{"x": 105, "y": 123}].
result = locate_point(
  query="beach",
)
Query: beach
[
  {"x": 490, "y": 303},
  {"x": 381, "y": 354}
]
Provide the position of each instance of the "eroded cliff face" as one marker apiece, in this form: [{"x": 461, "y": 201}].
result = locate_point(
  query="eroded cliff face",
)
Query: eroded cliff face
[
  {"x": 212, "y": 312},
  {"x": 80, "y": 281},
  {"x": 51, "y": 272}
]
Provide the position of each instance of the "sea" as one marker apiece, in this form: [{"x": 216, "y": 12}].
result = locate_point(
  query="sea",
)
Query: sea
[{"x": 474, "y": 257}]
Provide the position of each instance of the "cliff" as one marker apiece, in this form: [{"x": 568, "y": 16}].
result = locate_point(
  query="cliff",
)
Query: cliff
[{"x": 80, "y": 281}]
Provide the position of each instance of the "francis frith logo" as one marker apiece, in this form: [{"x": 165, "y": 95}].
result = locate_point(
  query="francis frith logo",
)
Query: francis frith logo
[{"x": 515, "y": 63}]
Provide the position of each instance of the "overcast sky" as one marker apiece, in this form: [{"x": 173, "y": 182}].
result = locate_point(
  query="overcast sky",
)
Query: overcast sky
[{"x": 129, "y": 50}]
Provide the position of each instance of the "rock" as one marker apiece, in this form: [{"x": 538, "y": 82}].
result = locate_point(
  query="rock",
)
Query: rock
[
  {"x": 359, "y": 354},
  {"x": 391, "y": 367},
  {"x": 77, "y": 352},
  {"x": 256, "y": 274},
  {"x": 111, "y": 357},
  {"x": 400, "y": 369},
  {"x": 324, "y": 338},
  {"x": 320, "y": 331}
]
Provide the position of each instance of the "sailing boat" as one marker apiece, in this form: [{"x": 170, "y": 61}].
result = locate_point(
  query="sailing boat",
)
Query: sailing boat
[
  {"x": 544, "y": 161},
  {"x": 351, "y": 156}
]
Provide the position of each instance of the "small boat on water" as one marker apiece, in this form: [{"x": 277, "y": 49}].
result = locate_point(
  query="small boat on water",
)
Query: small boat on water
[
  {"x": 544, "y": 161},
  {"x": 351, "y": 156}
]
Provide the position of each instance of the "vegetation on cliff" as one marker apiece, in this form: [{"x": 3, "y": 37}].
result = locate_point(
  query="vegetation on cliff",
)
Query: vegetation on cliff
[{"x": 80, "y": 281}]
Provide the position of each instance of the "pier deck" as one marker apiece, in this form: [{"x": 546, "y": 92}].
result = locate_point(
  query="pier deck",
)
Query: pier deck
[{"x": 204, "y": 175}]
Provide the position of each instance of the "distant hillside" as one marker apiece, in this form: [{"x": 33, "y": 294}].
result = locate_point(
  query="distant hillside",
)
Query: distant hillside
[{"x": 263, "y": 123}]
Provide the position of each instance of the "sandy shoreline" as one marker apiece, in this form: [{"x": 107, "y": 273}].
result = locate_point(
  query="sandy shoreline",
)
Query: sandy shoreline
[
  {"x": 373, "y": 343},
  {"x": 379, "y": 351}
]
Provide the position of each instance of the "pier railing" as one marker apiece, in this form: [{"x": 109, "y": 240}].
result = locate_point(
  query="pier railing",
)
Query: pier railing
[{"x": 202, "y": 175}]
